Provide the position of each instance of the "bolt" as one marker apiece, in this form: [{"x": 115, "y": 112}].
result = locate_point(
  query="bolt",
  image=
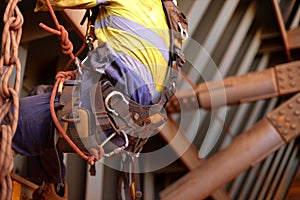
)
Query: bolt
[
  {"x": 279, "y": 71},
  {"x": 279, "y": 125},
  {"x": 292, "y": 84},
  {"x": 281, "y": 112},
  {"x": 285, "y": 132},
  {"x": 291, "y": 76}
]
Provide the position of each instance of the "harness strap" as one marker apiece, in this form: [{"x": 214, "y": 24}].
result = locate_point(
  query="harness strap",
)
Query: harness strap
[
  {"x": 99, "y": 110},
  {"x": 129, "y": 182},
  {"x": 132, "y": 114},
  {"x": 178, "y": 26},
  {"x": 76, "y": 124}
]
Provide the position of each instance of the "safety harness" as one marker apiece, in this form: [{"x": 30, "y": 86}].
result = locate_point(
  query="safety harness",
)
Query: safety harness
[{"x": 112, "y": 114}]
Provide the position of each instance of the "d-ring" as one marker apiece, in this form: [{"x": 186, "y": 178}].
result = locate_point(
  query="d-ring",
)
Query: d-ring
[{"x": 109, "y": 96}]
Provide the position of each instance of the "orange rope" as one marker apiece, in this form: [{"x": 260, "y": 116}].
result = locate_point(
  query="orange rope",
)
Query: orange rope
[
  {"x": 67, "y": 66},
  {"x": 96, "y": 154},
  {"x": 9, "y": 90},
  {"x": 66, "y": 44},
  {"x": 61, "y": 77}
]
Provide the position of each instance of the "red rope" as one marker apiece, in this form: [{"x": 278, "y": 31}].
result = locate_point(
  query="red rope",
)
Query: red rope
[
  {"x": 9, "y": 62},
  {"x": 96, "y": 154},
  {"x": 67, "y": 48},
  {"x": 66, "y": 44}
]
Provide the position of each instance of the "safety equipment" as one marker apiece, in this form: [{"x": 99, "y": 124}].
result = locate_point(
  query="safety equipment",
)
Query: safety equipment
[
  {"x": 106, "y": 114},
  {"x": 178, "y": 25},
  {"x": 113, "y": 110}
]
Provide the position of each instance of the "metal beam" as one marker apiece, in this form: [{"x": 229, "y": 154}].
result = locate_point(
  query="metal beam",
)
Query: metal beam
[
  {"x": 189, "y": 155},
  {"x": 294, "y": 38},
  {"x": 277, "y": 81},
  {"x": 282, "y": 28},
  {"x": 274, "y": 43},
  {"x": 249, "y": 148}
]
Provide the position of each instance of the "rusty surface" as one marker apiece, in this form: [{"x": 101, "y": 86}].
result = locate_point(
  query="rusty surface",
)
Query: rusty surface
[
  {"x": 282, "y": 28},
  {"x": 249, "y": 147},
  {"x": 277, "y": 81},
  {"x": 286, "y": 118},
  {"x": 288, "y": 77},
  {"x": 293, "y": 38},
  {"x": 183, "y": 100},
  {"x": 240, "y": 89},
  {"x": 189, "y": 156}
]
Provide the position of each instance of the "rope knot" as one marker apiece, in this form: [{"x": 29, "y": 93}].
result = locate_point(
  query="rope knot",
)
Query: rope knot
[
  {"x": 66, "y": 44},
  {"x": 68, "y": 75}
]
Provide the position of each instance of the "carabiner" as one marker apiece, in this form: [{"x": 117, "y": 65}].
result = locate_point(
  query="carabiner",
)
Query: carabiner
[{"x": 109, "y": 96}]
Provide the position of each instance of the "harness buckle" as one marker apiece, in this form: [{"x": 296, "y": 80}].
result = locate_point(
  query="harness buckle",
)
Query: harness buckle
[{"x": 109, "y": 96}]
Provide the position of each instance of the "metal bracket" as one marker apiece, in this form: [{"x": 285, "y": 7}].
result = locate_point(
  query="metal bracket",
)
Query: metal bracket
[{"x": 286, "y": 118}]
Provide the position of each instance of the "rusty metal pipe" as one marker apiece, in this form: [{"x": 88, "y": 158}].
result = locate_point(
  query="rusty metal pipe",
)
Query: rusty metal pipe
[
  {"x": 269, "y": 134},
  {"x": 239, "y": 89},
  {"x": 189, "y": 155},
  {"x": 279, "y": 80},
  {"x": 246, "y": 150}
]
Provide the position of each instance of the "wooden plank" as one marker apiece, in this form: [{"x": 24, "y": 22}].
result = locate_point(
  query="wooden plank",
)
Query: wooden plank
[
  {"x": 22, "y": 188},
  {"x": 16, "y": 194},
  {"x": 24, "y": 182}
]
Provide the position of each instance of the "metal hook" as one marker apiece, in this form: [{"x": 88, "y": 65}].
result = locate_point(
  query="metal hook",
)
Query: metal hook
[{"x": 109, "y": 96}]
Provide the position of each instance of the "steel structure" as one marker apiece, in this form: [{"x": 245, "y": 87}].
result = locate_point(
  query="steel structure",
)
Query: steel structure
[
  {"x": 259, "y": 163},
  {"x": 250, "y": 148}
]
